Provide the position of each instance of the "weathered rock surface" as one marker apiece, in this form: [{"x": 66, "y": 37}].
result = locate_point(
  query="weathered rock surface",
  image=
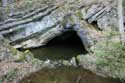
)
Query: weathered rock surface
[
  {"x": 14, "y": 65},
  {"x": 36, "y": 26},
  {"x": 33, "y": 23}
]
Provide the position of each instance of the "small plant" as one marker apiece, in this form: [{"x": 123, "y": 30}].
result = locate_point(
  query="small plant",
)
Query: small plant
[{"x": 11, "y": 74}]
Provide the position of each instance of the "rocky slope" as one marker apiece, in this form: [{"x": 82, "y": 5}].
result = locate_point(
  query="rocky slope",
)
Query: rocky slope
[
  {"x": 14, "y": 65},
  {"x": 33, "y": 23}
]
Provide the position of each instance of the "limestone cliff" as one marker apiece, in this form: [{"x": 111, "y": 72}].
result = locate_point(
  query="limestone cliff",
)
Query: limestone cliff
[{"x": 33, "y": 23}]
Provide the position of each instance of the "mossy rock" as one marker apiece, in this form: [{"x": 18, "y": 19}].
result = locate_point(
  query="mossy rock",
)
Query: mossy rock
[
  {"x": 23, "y": 56},
  {"x": 20, "y": 58},
  {"x": 110, "y": 54},
  {"x": 66, "y": 63},
  {"x": 79, "y": 14},
  {"x": 78, "y": 58},
  {"x": 36, "y": 61},
  {"x": 13, "y": 51}
]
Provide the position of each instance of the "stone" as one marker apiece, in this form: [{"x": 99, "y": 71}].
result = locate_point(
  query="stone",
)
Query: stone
[
  {"x": 33, "y": 26},
  {"x": 73, "y": 61},
  {"x": 66, "y": 63}
]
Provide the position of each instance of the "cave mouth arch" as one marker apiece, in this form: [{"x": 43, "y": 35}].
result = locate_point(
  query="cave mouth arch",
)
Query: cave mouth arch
[{"x": 64, "y": 46}]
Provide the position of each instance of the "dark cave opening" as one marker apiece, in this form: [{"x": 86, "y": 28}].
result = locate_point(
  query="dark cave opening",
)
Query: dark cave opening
[
  {"x": 67, "y": 38},
  {"x": 66, "y": 46}
]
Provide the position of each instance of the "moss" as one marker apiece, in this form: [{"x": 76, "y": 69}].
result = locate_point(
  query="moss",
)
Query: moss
[
  {"x": 78, "y": 58},
  {"x": 13, "y": 50},
  {"x": 20, "y": 58},
  {"x": 71, "y": 20},
  {"x": 102, "y": 62},
  {"x": 27, "y": 52},
  {"x": 79, "y": 14},
  {"x": 36, "y": 61},
  {"x": 110, "y": 54},
  {"x": 66, "y": 63},
  {"x": 23, "y": 56}
]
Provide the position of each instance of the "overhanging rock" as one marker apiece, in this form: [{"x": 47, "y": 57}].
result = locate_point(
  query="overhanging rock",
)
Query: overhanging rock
[{"x": 34, "y": 27}]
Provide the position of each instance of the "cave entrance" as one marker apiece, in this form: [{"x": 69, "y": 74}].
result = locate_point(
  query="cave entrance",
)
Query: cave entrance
[{"x": 61, "y": 47}]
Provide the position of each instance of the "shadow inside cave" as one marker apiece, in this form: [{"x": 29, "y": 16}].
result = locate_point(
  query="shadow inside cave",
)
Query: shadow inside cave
[{"x": 64, "y": 46}]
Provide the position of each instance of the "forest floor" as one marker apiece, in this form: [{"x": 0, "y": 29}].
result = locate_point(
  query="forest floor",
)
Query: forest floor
[{"x": 13, "y": 72}]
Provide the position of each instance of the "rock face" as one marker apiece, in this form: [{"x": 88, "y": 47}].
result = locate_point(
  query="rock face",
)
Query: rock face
[{"x": 36, "y": 26}]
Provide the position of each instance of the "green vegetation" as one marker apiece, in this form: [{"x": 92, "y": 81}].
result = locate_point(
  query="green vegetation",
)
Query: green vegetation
[
  {"x": 9, "y": 76},
  {"x": 13, "y": 50},
  {"x": 36, "y": 61},
  {"x": 111, "y": 54},
  {"x": 79, "y": 14},
  {"x": 27, "y": 56},
  {"x": 24, "y": 56}
]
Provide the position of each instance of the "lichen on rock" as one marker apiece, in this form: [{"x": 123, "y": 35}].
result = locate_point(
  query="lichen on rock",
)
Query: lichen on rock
[{"x": 107, "y": 58}]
